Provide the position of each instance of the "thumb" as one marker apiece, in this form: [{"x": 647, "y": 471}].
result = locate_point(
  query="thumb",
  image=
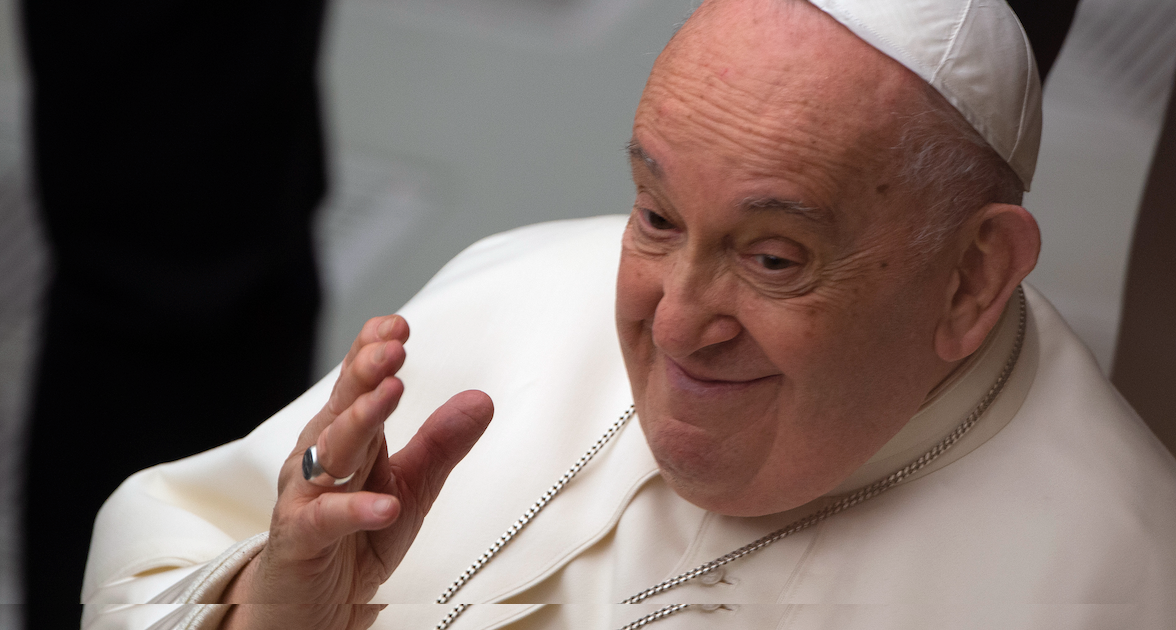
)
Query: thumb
[{"x": 441, "y": 442}]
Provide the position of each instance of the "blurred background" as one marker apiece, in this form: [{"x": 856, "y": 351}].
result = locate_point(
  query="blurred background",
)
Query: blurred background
[{"x": 450, "y": 120}]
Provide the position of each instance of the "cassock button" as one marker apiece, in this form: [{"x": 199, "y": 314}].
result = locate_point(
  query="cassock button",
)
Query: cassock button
[{"x": 712, "y": 578}]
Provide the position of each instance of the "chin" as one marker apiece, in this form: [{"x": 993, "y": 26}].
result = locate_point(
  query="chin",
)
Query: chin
[
  {"x": 723, "y": 476},
  {"x": 743, "y": 501}
]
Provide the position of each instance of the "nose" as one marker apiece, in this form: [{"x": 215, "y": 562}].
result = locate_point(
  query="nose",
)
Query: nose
[{"x": 695, "y": 311}]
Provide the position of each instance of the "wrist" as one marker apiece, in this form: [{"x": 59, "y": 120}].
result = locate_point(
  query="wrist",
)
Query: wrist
[{"x": 240, "y": 589}]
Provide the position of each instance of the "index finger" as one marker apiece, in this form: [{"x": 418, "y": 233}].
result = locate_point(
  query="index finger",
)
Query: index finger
[{"x": 384, "y": 328}]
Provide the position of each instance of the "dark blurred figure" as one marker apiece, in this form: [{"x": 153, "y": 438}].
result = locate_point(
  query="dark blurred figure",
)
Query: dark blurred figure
[
  {"x": 178, "y": 158},
  {"x": 1046, "y": 22},
  {"x": 1145, "y": 359}
]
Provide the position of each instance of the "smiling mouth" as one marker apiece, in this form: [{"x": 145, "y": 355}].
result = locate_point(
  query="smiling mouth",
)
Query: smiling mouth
[{"x": 681, "y": 379}]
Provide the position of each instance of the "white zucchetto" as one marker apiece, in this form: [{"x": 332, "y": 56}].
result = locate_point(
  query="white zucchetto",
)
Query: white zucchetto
[{"x": 974, "y": 52}]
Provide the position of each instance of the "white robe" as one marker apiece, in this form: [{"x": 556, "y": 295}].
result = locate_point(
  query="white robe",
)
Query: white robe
[{"x": 1057, "y": 510}]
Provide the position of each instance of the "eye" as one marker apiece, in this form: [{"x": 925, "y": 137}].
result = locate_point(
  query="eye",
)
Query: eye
[
  {"x": 657, "y": 221},
  {"x": 773, "y": 263}
]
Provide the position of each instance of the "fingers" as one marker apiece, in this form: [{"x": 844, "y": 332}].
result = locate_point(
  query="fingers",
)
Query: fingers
[
  {"x": 367, "y": 380},
  {"x": 371, "y": 365},
  {"x": 346, "y": 444},
  {"x": 387, "y": 328},
  {"x": 333, "y": 515},
  {"x": 442, "y": 441}
]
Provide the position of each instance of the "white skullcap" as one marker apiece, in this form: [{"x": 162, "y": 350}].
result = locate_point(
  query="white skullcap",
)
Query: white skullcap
[{"x": 973, "y": 52}]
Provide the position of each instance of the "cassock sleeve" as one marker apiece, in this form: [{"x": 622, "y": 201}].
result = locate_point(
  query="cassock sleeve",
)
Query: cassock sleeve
[{"x": 173, "y": 536}]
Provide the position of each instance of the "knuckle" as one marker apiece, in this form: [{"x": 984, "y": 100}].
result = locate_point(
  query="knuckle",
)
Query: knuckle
[
  {"x": 362, "y": 411},
  {"x": 335, "y": 403},
  {"x": 440, "y": 459},
  {"x": 355, "y": 510},
  {"x": 364, "y": 370},
  {"x": 436, "y": 447}
]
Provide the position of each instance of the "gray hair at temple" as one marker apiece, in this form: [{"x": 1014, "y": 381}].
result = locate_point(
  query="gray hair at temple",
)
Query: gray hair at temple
[
  {"x": 952, "y": 167},
  {"x": 973, "y": 138}
]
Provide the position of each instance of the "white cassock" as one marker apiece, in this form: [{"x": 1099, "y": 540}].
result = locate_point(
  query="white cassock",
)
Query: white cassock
[{"x": 1057, "y": 510}]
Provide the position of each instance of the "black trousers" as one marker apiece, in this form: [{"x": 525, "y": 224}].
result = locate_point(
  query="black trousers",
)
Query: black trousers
[{"x": 178, "y": 160}]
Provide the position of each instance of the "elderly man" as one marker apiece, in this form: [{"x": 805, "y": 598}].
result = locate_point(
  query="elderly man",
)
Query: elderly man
[{"x": 850, "y": 413}]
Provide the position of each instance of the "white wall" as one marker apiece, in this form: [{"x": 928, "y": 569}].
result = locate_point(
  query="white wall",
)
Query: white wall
[
  {"x": 483, "y": 125},
  {"x": 1104, "y": 103}
]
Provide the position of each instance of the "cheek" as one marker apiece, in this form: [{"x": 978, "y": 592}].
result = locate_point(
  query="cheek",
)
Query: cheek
[
  {"x": 821, "y": 352},
  {"x": 845, "y": 359}
]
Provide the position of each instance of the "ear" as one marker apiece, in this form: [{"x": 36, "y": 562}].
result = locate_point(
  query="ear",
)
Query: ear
[{"x": 998, "y": 248}]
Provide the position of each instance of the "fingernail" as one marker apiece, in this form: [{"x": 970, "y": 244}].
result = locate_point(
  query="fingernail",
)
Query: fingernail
[
  {"x": 381, "y": 352},
  {"x": 385, "y": 329},
  {"x": 382, "y": 507}
]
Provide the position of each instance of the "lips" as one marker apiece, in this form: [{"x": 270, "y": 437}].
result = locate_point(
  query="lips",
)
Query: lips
[{"x": 681, "y": 379}]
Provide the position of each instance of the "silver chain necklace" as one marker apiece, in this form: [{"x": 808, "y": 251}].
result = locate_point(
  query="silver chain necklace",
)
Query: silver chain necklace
[{"x": 841, "y": 505}]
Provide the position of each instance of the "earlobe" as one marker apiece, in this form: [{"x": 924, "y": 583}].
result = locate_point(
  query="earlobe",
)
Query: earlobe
[{"x": 998, "y": 248}]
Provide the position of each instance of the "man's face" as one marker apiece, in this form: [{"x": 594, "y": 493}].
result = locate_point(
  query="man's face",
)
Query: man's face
[{"x": 776, "y": 328}]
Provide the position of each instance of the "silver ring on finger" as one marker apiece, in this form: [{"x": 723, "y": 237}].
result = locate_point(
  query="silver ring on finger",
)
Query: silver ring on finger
[{"x": 313, "y": 471}]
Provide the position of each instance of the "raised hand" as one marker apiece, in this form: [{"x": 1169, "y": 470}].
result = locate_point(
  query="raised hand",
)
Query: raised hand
[{"x": 330, "y": 546}]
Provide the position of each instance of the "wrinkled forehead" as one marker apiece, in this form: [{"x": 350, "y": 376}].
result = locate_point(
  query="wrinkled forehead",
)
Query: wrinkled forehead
[
  {"x": 778, "y": 86},
  {"x": 975, "y": 55}
]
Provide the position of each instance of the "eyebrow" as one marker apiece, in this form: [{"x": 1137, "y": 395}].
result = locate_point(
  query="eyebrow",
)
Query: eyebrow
[
  {"x": 820, "y": 216},
  {"x": 637, "y": 153}
]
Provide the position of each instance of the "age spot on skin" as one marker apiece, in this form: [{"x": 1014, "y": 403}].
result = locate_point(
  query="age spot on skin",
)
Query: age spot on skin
[{"x": 882, "y": 188}]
